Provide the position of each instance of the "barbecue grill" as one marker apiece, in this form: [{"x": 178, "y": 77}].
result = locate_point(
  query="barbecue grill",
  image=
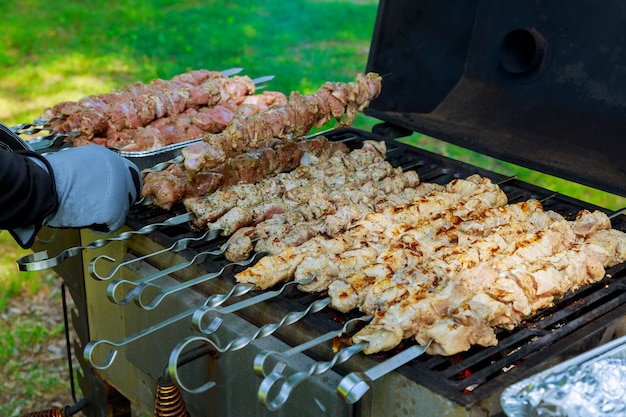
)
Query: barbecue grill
[{"x": 156, "y": 308}]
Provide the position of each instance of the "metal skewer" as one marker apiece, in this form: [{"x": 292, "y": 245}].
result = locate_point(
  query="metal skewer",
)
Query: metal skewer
[
  {"x": 178, "y": 246},
  {"x": 233, "y": 345},
  {"x": 354, "y": 385},
  {"x": 163, "y": 293},
  {"x": 264, "y": 331},
  {"x": 23, "y": 128},
  {"x": 113, "y": 347},
  {"x": 232, "y": 71},
  {"x": 267, "y": 329},
  {"x": 262, "y": 357},
  {"x": 40, "y": 260},
  {"x": 140, "y": 285},
  {"x": 52, "y": 141},
  {"x": 288, "y": 383},
  {"x": 201, "y": 312},
  {"x": 617, "y": 213},
  {"x": 90, "y": 348}
]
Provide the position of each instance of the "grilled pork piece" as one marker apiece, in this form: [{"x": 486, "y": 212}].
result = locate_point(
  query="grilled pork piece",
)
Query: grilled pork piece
[
  {"x": 326, "y": 167},
  {"x": 293, "y": 228},
  {"x": 191, "y": 80},
  {"x": 168, "y": 187}
]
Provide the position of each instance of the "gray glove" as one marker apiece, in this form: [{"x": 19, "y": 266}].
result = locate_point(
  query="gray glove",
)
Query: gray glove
[{"x": 95, "y": 188}]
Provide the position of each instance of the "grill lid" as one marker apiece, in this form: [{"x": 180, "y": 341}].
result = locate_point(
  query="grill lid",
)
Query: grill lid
[{"x": 541, "y": 84}]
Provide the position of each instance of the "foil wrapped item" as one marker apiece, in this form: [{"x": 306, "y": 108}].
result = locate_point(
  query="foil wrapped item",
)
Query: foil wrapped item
[
  {"x": 590, "y": 389},
  {"x": 592, "y": 384}
]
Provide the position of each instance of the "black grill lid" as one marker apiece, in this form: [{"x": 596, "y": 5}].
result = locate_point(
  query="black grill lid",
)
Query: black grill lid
[{"x": 541, "y": 84}]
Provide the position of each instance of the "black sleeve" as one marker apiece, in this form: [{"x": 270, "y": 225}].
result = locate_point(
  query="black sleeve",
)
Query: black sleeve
[{"x": 27, "y": 191}]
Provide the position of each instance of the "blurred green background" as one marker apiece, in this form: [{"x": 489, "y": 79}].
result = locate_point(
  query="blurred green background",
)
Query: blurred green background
[{"x": 59, "y": 51}]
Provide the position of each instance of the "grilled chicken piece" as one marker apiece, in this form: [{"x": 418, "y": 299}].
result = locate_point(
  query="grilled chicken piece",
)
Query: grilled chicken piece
[{"x": 282, "y": 267}]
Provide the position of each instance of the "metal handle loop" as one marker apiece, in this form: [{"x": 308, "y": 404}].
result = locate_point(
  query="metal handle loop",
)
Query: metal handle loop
[
  {"x": 289, "y": 383},
  {"x": 172, "y": 366},
  {"x": 141, "y": 284},
  {"x": 162, "y": 293},
  {"x": 262, "y": 357}
]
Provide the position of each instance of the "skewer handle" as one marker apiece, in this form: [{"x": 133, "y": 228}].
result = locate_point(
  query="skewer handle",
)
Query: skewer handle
[
  {"x": 164, "y": 292},
  {"x": 287, "y": 384},
  {"x": 262, "y": 357},
  {"x": 264, "y": 331},
  {"x": 201, "y": 312},
  {"x": 174, "y": 361},
  {"x": 113, "y": 347}
]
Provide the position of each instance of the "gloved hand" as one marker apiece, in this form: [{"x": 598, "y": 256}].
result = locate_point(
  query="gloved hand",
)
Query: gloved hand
[{"x": 95, "y": 188}]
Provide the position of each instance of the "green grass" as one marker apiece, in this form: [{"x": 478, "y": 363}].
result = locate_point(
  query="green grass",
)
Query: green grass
[{"x": 13, "y": 283}]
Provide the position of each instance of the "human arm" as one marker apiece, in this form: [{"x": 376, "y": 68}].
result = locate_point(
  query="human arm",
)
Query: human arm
[{"x": 27, "y": 191}]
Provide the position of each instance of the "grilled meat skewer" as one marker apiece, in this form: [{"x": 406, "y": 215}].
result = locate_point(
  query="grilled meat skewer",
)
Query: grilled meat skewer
[
  {"x": 293, "y": 228},
  {"x": 205, "y": 161},
  {"x": 139, "y": 104},
  {"x": 270, "y": 270},
  {"x": 324, "y": 170},
  {"x": 192, "y": 123},
  {"x": 430, "y": 249},
  {"x": 170, "y": 186},
  {"x": 465, "y": 307},
  {"x": 292, "y": 121}
]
